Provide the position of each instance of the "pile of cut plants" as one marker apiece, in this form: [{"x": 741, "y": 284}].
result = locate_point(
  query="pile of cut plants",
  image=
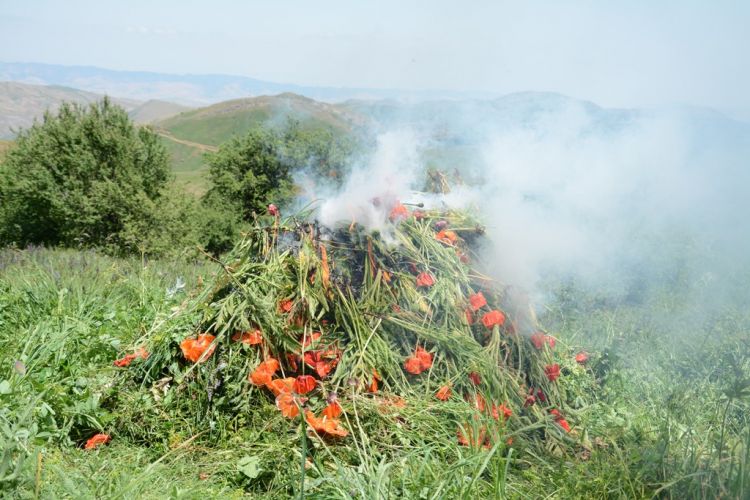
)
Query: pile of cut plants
[{"x": 338, "y": 332}]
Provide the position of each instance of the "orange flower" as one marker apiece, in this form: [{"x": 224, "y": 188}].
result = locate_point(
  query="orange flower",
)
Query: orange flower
[
  {"x": 466, "y": 436},
  {"x": 444, "y": 393},
  {"x": 308, "y": 340},
  {"x": 281, "y": 385},
  {"x": 199, "y": 349},
  {"x": 538, "y": 339},
  {"x": 128, "y": 358},
  {"x": 333, "y": 410},
  {"x": 479, "y": 402},
  {"x": 264, "y": 372},
  {"x": 413, "y": 365},
  {"x": 325, "y": 426},
  {"x": 475, "y": 378},
  {"x": 304, "y": 384},
  {"x": 498, "y": 409},
  {"x": 582, "y": 358},
  {"x": 424, "y": 357},
  {"x": 285, "y": 305},
  {"x": 552, "y": 372},
  {"x": 560, "y": 420},
  {"x": 374, "y": 384},
  {"x": 398, "y": 213},
  {"x": 493, "y": 318},
  {"x": 446, "y": 236},
  {"x": 477, "y": 301},
  {"x": 96, "y": 440},
  {"x": 286, "y": 403},
  {"x": 425, "y": 280},
  {"x": 254, "y": 337}
]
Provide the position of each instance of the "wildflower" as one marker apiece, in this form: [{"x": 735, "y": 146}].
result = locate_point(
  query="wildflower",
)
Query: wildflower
[
  {"x": 374, "y": 384},
  {"x": 478, "y": 401},
  {"x": 530, "y": 400},
  {"x": 419, "y": 362},
  {"x": 447, "y": 237},
  {"x": 477, "y": 301},
  {"x": 540, "y": 395},
  {"x": 425, "y": 358},
  {"x": 498, "y": 409},
  {"x": 333, "y": 410},
  {"x": 560, "y": 420},
  {"x": 304, "y": 384},
  {"x": 550, "y": 340},
  {"x": 582, "y": 358},
  {"x": 444, "y": 393},
  {"x": 273, "y": 210},
  {"x": 253, "y": 337},
  {"x": 493, "y": 318},
  {"x": 475, "y": 378},
  {"x": 281, "y": 385},
  {"x": 413, "y": 365},
  {"x": 264, "y": 372},
  {"x": 128, "y": 358},
  {"x": 325, "y": 426},
  {"x": 288, "y": 406},
  {"x": 552, "y": 372},
  {"x": 96, "y": 440},
  {"x": 538, "y": 339},
  {"x": 198, "y": 349},
  {"x": 469, "y": 436},
  {"x": 398, "y": 213},
  {"x": 419, "y": 215},
  {"x": 310, "y": 339},
  {"x": 285, "y": 305},
  {"x": 425, "y": 280}
]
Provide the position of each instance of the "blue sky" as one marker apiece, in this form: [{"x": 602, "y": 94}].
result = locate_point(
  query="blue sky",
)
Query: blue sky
[{"x": 632, "y": 53}]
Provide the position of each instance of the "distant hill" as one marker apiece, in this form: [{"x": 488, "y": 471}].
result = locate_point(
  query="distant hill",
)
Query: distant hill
[
  {"x": 196, "y": 90},
  {"x": 155, "y": 110},
  {"x": 21, "y": 103}
]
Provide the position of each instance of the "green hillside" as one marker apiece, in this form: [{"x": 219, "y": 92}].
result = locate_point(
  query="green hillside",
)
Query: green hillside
[{"x": 191, "y": 134}]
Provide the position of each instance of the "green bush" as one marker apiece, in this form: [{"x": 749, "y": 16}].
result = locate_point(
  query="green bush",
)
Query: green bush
[{"x": 87, "y": 176}]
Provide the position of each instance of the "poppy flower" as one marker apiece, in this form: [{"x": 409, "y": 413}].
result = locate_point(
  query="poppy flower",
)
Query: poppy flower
[
  {"x": 325, "y": 426},
  {"x": 310, "y": 339},
  {"x": 285, "y": 305},
  {"x": 128, "y": 358},
  {"x": 419, "y": 215},
  {"x": 540, "y": 395},
  {"x": 286, "y": 403},
  {"x": 425, "y": 280},
  {"x": 413, "y": 365},
  {"x": 498, "y": 409},
  {"x": 493, "y": 318},
  {"x": 273, "y": 210},
  {"x": 398, "y": 213},
  {"x": 97, "y": 440},
  {"x": 551, "y": 341},
  {"x": 253, "y": 337},
  {"x": 478, "y": 401},
  {"x": 560, "y": 420},
  {"x": 447, "y": 237},
  {"x": 333, "y": 410},
  {"x": 304, "y": 384},
  {"x": 199, "y": 349},
  {"x": 538, "y": 340},
  {"x": 281, "y": 385},
  {"x": 552, "y": 372},
  {"x": 475, "y": 378},
  {"x": 530, "y": 400},
  {"x": 374, "y": 384},
  {"x": 582, "y": 358},
  {"x": 291, "y": 360},
  {"x": 444, "y": 393},
  {"x": 424, "y": 357},
  {"x": 264, "y": 372},
  {"x": 477, "y": 301}
]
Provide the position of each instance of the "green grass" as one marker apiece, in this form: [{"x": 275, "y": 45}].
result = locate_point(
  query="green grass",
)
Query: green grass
[{"x": 666, "y": 414}]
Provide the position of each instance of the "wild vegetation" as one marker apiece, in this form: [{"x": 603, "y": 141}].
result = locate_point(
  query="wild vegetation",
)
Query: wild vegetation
[{"x": 106, "y": 390}]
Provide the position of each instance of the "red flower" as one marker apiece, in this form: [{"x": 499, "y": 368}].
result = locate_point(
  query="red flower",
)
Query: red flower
[
  {"x": 325, "y": 426},
  {"x": 447, "y": 237},
  {"x": 264, "y": 372},
  {"x": 97, "y": 440},
  {"x": 552, "y": 372},
  {"x": 273, "y": 210},
  {"x": 493, "y": 318},
  {"x": 413, "y": 365},
  {"x": 281, "y": 385},
  {"x": 199, "y": 349},
  {"x": 560, "y": 420},
  {"x": 310, "y": 339},
  {"x": 477, "y": 301},
  {"x": 374, "y": 384},
  {"x": 475, "y": 378},
  {"x": 582, "y": 358},
  {"x": 540, "y": 395},
  {"x": 444, "y": 393},
  {"x": 425, "y": 280},
  {"x": 497, "y": 409},
  {"x": 530, "y": 400},
  {"x": 333, "y": 410},
  {"x": 253, "y": 337},
  {"x": 424, "y": 357},
  {"x": 128, "y": 358},
  {"x": 287, "y": 404},
  {"x": 538, "y": 339},
  {"x": 285, "y": 305},
  {"x": 304, "y": 384},
  {"x": 398, "y": 213}
]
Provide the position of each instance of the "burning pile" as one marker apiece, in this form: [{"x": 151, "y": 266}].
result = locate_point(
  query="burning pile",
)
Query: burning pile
[{"x": 309, "y": 318}]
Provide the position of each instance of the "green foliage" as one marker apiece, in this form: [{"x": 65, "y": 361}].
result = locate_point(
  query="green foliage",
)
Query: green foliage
[{"x": 86, "y": 177}]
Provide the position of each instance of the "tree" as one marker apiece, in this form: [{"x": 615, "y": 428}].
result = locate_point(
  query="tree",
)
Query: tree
[{"x": 81, "y": 177}]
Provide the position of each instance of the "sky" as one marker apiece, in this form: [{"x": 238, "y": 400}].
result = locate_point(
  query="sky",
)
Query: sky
[{"x": 618, "y": 54}]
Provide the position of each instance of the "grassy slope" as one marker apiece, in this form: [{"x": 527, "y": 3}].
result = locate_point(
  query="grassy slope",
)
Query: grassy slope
[{"x": 659, "y": 414}]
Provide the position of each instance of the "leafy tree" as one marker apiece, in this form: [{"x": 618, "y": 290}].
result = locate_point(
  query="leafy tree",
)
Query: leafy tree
[{"x": 81, "y": 177}]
